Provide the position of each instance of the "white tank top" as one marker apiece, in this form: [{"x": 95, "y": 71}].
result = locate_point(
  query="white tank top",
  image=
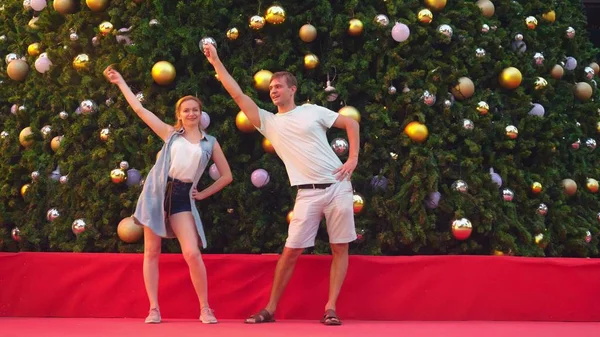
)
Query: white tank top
[{"x": 185, "y": 159}]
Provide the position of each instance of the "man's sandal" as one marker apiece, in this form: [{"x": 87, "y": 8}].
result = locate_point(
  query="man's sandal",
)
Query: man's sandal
[
  {"x": 330, "y": 318},
  {"x": 262, "y": 316}
]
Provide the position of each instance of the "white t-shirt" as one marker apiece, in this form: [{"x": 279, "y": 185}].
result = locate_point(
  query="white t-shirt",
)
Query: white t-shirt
[
  {"x": 185, "y": 158},
  {"x": 299, "y": 137}
]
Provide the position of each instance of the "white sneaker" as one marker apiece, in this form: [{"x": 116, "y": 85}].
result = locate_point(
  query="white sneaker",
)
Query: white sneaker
[
  {"x": 153, "y": 316},
  {"x": 207, "y": 316}
]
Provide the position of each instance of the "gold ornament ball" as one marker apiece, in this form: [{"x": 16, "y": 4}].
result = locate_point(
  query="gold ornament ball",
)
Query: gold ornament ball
[
  {"x": 105, "y": 28},
  {"x": 34, "y": 49},
  {"x": 583, "y": 91},
  {"x": 531, "y": 22},
  {"x": 32, "y": 23},
  {"x": 461, "y": 228},
  {"x": 510, "y": 78},
  {"x": 540, "y": 83},
  {"x": 511, "y": 132},
  {"x": 307, "y": 33},
  {"x": 539, "y": 240},
  {"x": 290, "y": 216},
  {"x": 536, "y": 187},
  {"x": 26, "y": 136},
  {"x": 243, "y": 123},
  {"x": 463, "y": 89},
  {"x": 569, "y": 186},
  {"x": 104, "y": 134},
  {"x": 257, "y": 22},
  {"x": 416, "y": 131},
  {"x": 358, "y": 203},
  {"x": 483, "y": 108},
  {"x": 275, "y": 15},
  {"x": 233, "y": 34},
  {"x": 435, "y": 5},
  {"x": 24, "y": 189},
  {"x": 557, "y": 72},
  {"x": 17, "y": 70},
  {"x": 498, "y": 253},
  {"x": 65, "y": 6},
  {"x": 118, "y": 176},
  {"x": 163, "y": 73},
  {"x": 487, "y": 8},
  {"x": 598, "y": 127},
  {"x": 592, "y": 185},
  {"x": 425, "y": 16},
  {"x": 262, "y": 79},
  {"x": 350, "y": 111},
  {"x": 355, "y": 27},
  {"x": 55, "y": 143},
  {"x": 96, "y": 5},
  {"x": 311, "y": 61},
  {"x": 129, "y": 231},
  {"x": 81, "y": 61},
  {"x": 595, "y": 66},
  {"x": 549, "y": 16},
  {"x": 267, "y": 146}
]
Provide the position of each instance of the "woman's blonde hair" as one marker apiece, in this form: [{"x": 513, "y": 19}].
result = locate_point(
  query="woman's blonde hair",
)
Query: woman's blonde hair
[{"x": 178, "y": 124}]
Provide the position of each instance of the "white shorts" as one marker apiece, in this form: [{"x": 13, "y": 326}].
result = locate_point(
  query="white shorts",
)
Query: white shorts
[{"x": 335, "y": 202}]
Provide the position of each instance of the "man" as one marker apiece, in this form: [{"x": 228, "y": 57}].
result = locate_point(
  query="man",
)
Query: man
[{"x": 298, "y": 135}]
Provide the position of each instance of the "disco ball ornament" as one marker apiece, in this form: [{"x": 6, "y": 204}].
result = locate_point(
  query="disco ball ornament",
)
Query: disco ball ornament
[
  {"x": 460, "y": 186},
  {"x": 88, "y": 107},
  {"x": 542, "y": 209},
  {"x": 52, "y": 214},
  {"x": 508, "y": 194},
  {"x": 124, "y": 165},
  {"x": 16, "y": 234}
]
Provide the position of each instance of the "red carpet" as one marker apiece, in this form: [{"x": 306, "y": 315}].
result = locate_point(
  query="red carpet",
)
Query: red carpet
[
  {"x": 72, "y": 327},
  {"x": 422, "y": 288}
]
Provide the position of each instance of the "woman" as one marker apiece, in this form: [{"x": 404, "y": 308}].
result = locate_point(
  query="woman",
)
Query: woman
[{"x": 165, "y": 207}]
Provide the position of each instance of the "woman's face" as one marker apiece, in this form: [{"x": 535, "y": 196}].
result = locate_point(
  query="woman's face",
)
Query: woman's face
[{"x": 189, "y": 113}]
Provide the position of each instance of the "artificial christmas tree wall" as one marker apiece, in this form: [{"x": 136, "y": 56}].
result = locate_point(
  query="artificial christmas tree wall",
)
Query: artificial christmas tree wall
[{"x": 502, "y": 92}]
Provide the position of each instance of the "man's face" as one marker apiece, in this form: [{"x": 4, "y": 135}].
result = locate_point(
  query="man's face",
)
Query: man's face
[{"x": 280, "y": 92}]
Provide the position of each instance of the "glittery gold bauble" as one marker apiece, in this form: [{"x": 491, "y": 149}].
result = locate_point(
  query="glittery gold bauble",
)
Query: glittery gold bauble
[
  {"x": 17, "y": 70},
  {"x": 55, "y": 143},
  {"x": 350, "y": 111},
  {"x": 487, "y": 8},
  {"x": 549, "y": 16},
  {"x": 463, "y": 89},
  {"x": 267, "y": 146},
  {"x": 531, "y": 22},
  {"x": 118, "y": 176},
  {"x": 583, "y": 91},
  {"x": 595, "y": 66},
  {"x": 592, "y": 185},
  {"x": 425, "y": 16},
  {"x": 65, "y": 6},
  {"x": 358, "y": 202},
  {"x": 308, "y": 33},
  {"x": 24, "y": 189},
  {"x": 33, "y": 49},
  {"x": 510, "y": 78},
  {"x": 416, "y": 131},
  {"x": 290, "y": 216},
  {"x": 483, "y": 108},
  {"x": 129, "y": 231},
  {"x": 569, "y": 186},
  {"x": 262, "y": 79},
  {"x": 257, "y": 22},
  {"x": 243, "y": 123},
  {"x": 557, "y": 72},
  {"x": 163, "y": 73},
  {"x": 105, "y": 28},
  {"x": 540, "y": 83},
  {"x": 275, "y": 15},
  {"x": 26, "y": 136},
  {"x": 435, "y": 5},
  {"x": 81, "y": 61},
  {"x": 233, "y": 33},
  {"x": 97, "y": 5},
  {"x": 355, "y": 27},
  {"x": 311, "y": 61},
  {"x": 536, "y": 187}
]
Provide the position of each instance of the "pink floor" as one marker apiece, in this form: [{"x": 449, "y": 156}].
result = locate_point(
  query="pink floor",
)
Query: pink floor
[{"x": 92, "y": 327}]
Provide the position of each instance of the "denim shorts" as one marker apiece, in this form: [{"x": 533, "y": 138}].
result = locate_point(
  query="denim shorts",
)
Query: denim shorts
[{"x": 177, "y": 196}]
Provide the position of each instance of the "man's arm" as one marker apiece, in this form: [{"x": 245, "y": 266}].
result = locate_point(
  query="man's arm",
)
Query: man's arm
[
  {"x": 245, "y": 103},
  {"x": 352, "y": 129}
]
